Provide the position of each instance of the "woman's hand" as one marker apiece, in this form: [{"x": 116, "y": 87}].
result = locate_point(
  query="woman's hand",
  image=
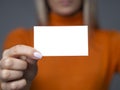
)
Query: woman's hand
[{"x": 18, "y": 67}]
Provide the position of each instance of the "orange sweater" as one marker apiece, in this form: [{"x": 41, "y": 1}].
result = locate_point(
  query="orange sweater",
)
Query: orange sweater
[{"x": 74, "y": 73}]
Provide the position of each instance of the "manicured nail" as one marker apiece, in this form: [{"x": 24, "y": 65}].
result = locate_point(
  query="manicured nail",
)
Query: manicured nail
[{"x": 37, "y": 55}]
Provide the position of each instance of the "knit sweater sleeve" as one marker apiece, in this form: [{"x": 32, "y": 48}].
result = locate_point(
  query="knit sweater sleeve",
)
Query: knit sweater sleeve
[
  {"x": 19, "y": 36},
  {"x": 116, "y": 49}
]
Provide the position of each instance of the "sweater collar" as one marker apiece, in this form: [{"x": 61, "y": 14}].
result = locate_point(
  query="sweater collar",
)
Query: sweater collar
[{"x": 58, "y": 20}]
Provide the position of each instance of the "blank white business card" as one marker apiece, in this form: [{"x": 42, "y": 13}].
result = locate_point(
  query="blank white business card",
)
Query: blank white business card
[{"x": 61, "y": 40}]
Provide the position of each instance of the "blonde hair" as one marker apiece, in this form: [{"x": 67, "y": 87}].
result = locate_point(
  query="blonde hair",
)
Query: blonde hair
[{"x": 89, "y": 12}]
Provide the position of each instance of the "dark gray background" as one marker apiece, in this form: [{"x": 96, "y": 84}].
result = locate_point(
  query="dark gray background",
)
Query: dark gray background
[{"x": 21, "y": 13}]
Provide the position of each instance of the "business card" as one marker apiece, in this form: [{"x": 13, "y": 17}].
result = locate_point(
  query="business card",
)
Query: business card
[{"x": 61, "y": 40}]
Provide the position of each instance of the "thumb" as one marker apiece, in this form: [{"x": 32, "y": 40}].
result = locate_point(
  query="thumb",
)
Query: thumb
[{"x": 36, "y": 56}]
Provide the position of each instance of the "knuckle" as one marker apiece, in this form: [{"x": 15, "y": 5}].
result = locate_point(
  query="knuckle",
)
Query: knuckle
[
  {"x": 21, "y": 73},
  {"x": 25, "y": 65},
  {"x": 18, "y": 74},
  {"x": 7, "y": 63},
  {"x": 5, "y": 52},
  {"x": 14, "y": 86},
  {"x": 24, "y": 82},
  {"x": 5, "y": 75},
  {"x": 16, "y": 48},
  {"x": 18, "y": 85}
]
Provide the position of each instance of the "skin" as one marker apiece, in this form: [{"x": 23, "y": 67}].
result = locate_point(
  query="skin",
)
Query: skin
[
  {"x": 64, "y": 7},
  {"x": 18, "y": 67},
  {"x": 15, "y": 63}
]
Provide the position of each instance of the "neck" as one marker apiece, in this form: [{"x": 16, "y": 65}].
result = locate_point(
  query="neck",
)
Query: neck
[{"x": 59, "y": 20}]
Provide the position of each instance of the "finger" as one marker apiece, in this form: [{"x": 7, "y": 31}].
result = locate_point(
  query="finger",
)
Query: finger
[
  {"x": 13, "y": 64},
  {"x": 8, "y": 75},
  {"x": 14, "y": 85},
  {"x": 22, "y": 50},
  {"x": 29, "y": 60},
  {"x": 23, "y": 57}
]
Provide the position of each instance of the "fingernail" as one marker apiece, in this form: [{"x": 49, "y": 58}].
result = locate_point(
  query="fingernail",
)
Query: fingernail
[{"x": 37, "y": 55}]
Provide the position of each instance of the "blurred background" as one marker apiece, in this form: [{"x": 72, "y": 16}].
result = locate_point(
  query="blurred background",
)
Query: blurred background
[{"x": 22, "y": 13}]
